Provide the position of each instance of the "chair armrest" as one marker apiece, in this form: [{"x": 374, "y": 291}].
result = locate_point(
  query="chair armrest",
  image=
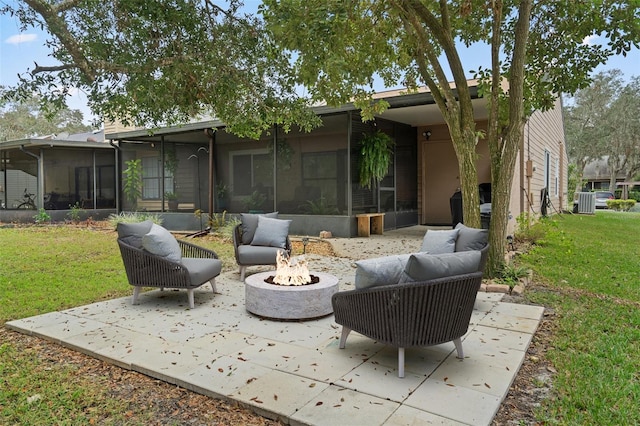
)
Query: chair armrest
[
  {"x": 237, "y": 239},
  {"x": 193, "y": 250},
  {"x": 147, "y": 269}
]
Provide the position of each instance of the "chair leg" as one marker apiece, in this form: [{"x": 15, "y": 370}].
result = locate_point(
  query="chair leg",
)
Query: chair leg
[
  {"x": 458, "y": 343},
  {"x": 136, "y": 293},
  {"x": 401, "y": 362},
  {"x": 212, "y": 281},
  {"x": 343, "y": 337},
  {"x": 243, "y": 270},
  {"x": 190, "y": 294}
]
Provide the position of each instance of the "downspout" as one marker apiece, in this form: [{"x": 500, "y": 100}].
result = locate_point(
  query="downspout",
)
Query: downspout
[
  {"x": 212, "y": 171},
  {"x": 522, "y": 171},
  {"x": 529, "y": 173},
  {"x": 561, "y": 177},
  {"x": 3, "y": 159},
  {"x": 349, "y": 189},
  {"x": 162, "y": 175},
  {"x": 95, "y": 182},
  {"x": 275, "y": 167},
  {"x": 40, "y": 196},
  {"x": 117, "y": 162}
]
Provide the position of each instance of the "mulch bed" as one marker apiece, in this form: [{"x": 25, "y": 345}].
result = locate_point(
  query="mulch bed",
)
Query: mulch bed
[
  {"x": 321, "y": 247},
  {"x": 533, "y": 384},
  {"x": 161, "y": 401}
]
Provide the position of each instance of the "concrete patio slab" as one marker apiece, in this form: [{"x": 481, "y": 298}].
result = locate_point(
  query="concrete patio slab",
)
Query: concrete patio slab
[
  {"x": 339, "y": 406},
  {"x": 294, "y": 370}
]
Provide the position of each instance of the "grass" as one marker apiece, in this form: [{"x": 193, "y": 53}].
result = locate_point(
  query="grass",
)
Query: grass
[
  {"x": 589, "y": 267},
  {"x": 35, "y": 393},
  {"x": 50, "y": 268}
]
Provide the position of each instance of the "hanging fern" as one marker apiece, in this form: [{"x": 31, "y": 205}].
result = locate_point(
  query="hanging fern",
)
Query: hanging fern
[{"x": 375, "y": 157}]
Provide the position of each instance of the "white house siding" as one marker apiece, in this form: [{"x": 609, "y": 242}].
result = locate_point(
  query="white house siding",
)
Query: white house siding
[{"x": 544, "y": 132}]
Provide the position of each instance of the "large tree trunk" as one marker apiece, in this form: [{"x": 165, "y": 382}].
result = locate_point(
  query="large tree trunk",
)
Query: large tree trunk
[
  {"x": 580, "y": 165},
  {"x": 464, "y": 144},
  {"x": 501, "y": 183},
  {"x": 455, "y": 105},
  {"x": 504, "y": 146}
]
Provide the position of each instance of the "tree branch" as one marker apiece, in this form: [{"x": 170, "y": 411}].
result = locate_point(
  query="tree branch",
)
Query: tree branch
[
  {"x": 58, "y": 27},
  {"x": 64, "y": 5},
  {"x": 442, "y": 32},
  {"x": 494, "y": 105},
  {"x": 442, "y": 94},
  {"x": 39, "y": 69}
]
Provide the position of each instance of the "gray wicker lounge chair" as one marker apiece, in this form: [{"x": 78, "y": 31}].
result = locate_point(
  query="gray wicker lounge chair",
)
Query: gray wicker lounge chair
[
  {"x": 410, "y": 314},
  {"x": 248, "y": 254},
  {"x": 145, "y": 269}
]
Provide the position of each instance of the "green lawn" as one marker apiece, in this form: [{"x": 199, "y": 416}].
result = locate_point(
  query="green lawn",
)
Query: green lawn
[
  {"x": 587, "y": 266},
  {"x": 590, "y": 269},
  {"x": 49, "y": 268}
]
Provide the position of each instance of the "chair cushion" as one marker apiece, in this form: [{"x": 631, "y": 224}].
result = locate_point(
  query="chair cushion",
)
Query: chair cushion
[
  {"x": 425, "y": 266},
  {"x": 160, "y": 242},
  {"x": 257, "y": 255},
  {"x": 471, "y": 238},
  {"x": 132, "y": 233},
  {"x": 380, "y": 271},
  {"x": 250, "y": 223},
  {"x": 271, "y": 232},
  {"x": 439, "y": 242},
  {"x": 202, "y": 270}
]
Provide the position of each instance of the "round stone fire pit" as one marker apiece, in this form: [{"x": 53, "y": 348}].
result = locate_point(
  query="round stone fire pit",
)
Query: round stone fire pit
[{"x": 289, "y": 302}]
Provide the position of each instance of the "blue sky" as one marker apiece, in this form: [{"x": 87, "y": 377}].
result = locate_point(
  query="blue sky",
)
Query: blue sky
[{"x": 19, "y": 51}]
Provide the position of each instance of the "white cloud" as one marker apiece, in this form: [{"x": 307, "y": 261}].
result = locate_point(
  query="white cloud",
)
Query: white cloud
[
  {"x": 21, "y": 38},
  {"x": 589, "y": 40}
]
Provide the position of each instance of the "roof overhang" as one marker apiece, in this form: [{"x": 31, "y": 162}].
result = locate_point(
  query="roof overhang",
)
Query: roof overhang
[
  {"x": 51, "y": 143},
  {"x": 415, "y": 108}
]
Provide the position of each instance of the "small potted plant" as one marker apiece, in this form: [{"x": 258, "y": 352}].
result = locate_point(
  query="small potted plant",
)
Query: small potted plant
[
  {"x": 222, "y": 196},
  {"x": 172, "y": 200},
  {"x": 255, "y": 202}
]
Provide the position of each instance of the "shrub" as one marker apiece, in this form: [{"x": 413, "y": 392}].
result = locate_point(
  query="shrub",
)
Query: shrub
[
  {"x": 133, "y": 217},
  {"x": 42, "y": 217},
  {"x": 529, "y": 229},
  {"x": 511, "y": 274},
  {"x": 75, "y": 212},
  {"x": 634, "y": 195},
  {"x": 223, "y": 225},
  {"x": 621, "y": 205}
]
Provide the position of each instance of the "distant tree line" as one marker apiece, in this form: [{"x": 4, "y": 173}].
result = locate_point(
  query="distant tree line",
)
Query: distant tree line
[
  {"x": 601, "y": 122},
  {"x": 26, "y": 118}
]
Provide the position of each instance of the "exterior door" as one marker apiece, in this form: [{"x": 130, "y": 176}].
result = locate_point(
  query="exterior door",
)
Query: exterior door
[{"x": 440, "y": 181}]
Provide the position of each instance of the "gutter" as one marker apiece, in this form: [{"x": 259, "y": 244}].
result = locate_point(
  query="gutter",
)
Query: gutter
[{"x": 117, "y": 166}]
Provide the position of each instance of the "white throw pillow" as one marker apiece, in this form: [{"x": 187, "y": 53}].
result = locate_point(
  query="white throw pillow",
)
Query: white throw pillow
[{"x": 160, "y": 242}]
